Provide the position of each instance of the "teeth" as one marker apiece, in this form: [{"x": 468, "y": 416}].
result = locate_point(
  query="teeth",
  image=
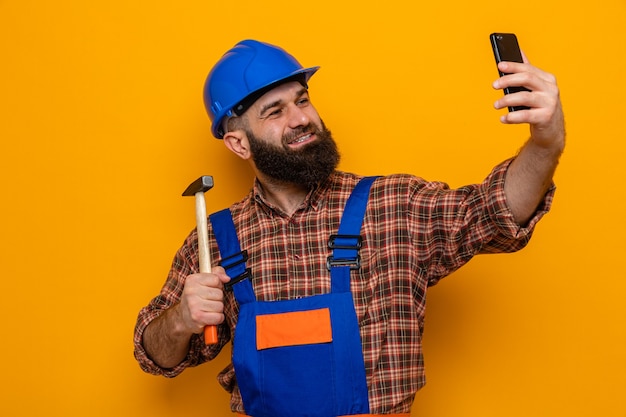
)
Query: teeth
[{"x": 302, "y": 139}]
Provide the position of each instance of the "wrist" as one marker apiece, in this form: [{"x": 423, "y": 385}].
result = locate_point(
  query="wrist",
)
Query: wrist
[{"x": 177, "y": 322}]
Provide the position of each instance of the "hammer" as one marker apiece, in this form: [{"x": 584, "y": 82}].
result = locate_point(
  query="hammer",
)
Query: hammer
[{"x": 197, "y": 189}]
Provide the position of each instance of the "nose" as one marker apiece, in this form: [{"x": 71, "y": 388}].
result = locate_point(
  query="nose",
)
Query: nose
[{"x": 298, "y": 117}]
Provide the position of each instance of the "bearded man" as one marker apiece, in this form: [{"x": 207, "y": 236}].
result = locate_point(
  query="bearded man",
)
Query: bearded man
[{"x": 323, "y": 276}]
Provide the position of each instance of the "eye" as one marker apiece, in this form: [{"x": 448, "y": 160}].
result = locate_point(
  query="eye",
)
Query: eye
[
  {"x": 275, "y": 112},
  {"x": 303, "y": 100}
]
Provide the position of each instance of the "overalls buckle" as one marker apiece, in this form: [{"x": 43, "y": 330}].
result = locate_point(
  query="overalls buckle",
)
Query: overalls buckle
[
  {"x": 354, "y": 263},
  {"x": 234, "y": 260},
  {"x": 229, "y": 285},
  {"x": 347, "y": 247},
  {"x": 344, "y": 242}
]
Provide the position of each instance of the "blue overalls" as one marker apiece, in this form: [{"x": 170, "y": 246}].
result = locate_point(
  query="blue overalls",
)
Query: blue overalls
[{"x": 300, "y": 357}]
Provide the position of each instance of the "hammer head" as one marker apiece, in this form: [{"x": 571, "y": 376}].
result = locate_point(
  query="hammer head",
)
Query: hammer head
[{"x": 202, "y": 184}]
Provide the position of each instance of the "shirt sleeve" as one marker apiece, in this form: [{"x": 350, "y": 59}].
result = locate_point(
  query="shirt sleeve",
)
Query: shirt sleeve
[
  {"x": 450, "y": 226},
  {"x": 515, "y": 236},
  {"x": 184, "y": 263}
]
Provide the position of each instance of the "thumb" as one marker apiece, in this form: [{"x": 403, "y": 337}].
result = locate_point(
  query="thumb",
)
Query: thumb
[{"x": 221, "y": 274}]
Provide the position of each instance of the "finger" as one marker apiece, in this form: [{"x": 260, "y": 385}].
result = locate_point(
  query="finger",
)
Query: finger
[
  {"x": 516, "y": 68},
  {"x": 212, "y": 294},
  {"x": 206, "y": 279},
  {"x": 213, "y": 318},
  {"x": 221, "y": 274},
  {"x": 212, "y": 308},
  {"x": 200, "y": 291},
  {"x": 202, "y": 318},
  {"x": 540, "y": 113},
  {"x": 531, "y": 82},
  {"x": 197, "y": 313},
  {"x": 205, "y": 307},
  {"x": 521, "y": 98},
  {"x": 515, "y": 117}
]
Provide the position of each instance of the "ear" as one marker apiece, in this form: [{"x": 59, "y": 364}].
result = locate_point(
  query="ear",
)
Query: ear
[{"x": 237, "y": 142}]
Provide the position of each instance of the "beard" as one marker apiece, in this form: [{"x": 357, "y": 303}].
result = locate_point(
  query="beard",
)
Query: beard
[{"x": 306, "y": 166}]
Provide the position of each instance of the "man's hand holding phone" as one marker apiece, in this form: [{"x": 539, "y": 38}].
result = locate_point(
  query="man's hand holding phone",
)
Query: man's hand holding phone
[{"x": 530, "y": 89}]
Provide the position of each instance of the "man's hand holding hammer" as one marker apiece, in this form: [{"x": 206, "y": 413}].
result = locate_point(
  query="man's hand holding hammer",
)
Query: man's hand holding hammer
[
  {"x": 201, "y": 305},
  {"x": 166, "y": 339}
]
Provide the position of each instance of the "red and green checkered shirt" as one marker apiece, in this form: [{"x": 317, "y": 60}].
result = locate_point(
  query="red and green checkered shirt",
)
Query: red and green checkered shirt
[{"x": 414, "y": 233}]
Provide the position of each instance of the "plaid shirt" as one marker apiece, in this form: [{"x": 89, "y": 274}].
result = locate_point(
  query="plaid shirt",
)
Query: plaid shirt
[{"x": 414, "y": 233}]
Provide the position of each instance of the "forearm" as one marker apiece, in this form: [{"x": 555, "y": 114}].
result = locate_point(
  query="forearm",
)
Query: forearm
[
  {"x": 530, "y": 176},
  {"x": 165, "y": 340}
]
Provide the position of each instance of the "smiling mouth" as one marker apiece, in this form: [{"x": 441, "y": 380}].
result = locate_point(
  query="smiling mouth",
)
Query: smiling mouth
[{"x": 301, "y": 139}]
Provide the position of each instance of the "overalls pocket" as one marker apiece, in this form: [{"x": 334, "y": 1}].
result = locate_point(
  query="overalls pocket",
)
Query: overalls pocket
[
  {"x": 308, "y": 389},
  {"x": 289, "y": 347},
  {"x": 300, "y": 358}
]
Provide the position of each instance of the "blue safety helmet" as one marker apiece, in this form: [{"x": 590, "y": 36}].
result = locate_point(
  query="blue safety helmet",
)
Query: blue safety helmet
[{"x": 246, "y": 72}]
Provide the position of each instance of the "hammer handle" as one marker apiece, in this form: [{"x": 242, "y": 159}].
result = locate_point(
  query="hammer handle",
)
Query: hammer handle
[{"x": 210, "y": 332}]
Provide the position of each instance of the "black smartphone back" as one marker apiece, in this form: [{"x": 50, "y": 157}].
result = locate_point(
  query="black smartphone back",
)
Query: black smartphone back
[{"x": 506, "y": 48}]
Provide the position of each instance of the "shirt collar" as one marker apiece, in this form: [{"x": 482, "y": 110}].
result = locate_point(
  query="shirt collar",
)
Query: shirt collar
[{"x": 314, "y": 199}]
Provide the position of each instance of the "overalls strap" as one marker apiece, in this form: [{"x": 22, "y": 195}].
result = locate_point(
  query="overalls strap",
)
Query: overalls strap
[
  {"x": 233, "y": 258},
  {"x": 347, "y": 242}
]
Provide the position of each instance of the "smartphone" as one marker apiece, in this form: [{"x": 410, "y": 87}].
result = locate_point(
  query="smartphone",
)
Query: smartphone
[{"x": 506, "y": 48}]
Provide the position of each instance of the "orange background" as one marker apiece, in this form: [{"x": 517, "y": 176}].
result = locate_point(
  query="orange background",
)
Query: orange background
[{"x": 102, "y": 127}]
